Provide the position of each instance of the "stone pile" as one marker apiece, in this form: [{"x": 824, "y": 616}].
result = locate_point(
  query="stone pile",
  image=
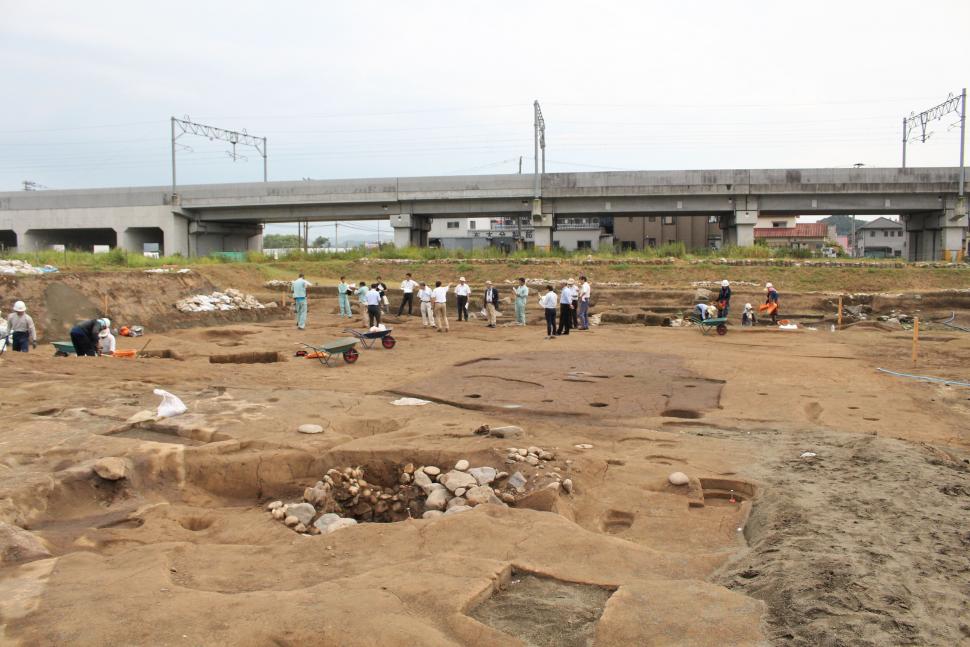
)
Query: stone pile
[
  {"x": 345, "y": 496},
  {"x": 23, "y": 267},
  {"x": 231, "y": 299}
]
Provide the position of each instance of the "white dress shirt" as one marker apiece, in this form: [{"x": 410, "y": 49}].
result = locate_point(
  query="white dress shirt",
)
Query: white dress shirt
[
  {"x": 463, "y": 289},
  {"x": 373, "y": 298},
  {"x": 441, "y": 294},
  {"x": 548, "y": 300},
  {"x": 584, "y": 291},
  {"x": 426, "y": 294},
  {"x": 408, "y": 285},
  {"x": 566, "y": 296}
]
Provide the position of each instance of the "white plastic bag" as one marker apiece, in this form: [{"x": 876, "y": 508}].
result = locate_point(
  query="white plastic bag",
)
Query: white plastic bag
[{"x": 170, "y": 405}]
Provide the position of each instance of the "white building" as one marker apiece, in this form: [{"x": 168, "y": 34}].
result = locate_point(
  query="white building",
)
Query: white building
[{"x": 571, "y": 233}]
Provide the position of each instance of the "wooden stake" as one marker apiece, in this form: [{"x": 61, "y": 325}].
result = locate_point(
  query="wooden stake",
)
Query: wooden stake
[
  {"x": 840, "y": 312},
  {"x": 915, "y": 338}
]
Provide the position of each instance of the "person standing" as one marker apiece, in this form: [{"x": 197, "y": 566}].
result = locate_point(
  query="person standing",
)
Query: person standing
[
  {"x": 382, "y": 289},
  {"x": 724, "y": 298},
  {"x": 747, "y": 317},
  {"x": 584, "y": 292},
  {"x": 373, "y": 298},
  {"x": 565, "y": 310},
  {"x": 771, "y": 303},
  {"x": 362, "y": 300},
  {"x": 441, "y": 305},
  {"x": 426, "y": 296},
  {"x": 548, "y": 304},
  {"x": 343, "y": 298},
  {"x": 85, "y": 336},
  {"x": 462, "y": 290},
  {"x": 574, "y": 292},
  {"x": 491, "y": 303},
  {"x": 521, "y": 294},
  {"x": 407, "y": 287},
  {"x": 299, "y": 299},
  {"x": 21, "y": 326}
]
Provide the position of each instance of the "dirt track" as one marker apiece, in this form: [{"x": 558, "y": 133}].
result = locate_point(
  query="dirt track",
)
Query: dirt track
[{"x": 863, "y": 544}]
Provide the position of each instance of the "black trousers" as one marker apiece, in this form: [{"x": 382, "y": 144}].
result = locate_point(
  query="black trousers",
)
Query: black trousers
[
  {"x": 565, "y": 319},
  {"x": 374, "y": 315},
  {"x": 550, "y": 321},
  {"x": 82, "y": 343},
  {"x": 462, "y": 301},
  {"x": 408, "y": 299}
]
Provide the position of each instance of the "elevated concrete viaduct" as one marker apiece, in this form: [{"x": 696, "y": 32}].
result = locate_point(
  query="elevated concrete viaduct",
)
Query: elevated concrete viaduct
[{"x": 200, "y": 219}]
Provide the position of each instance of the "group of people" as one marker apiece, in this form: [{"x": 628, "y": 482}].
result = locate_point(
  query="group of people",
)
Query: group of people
[
  {"x": 573, "y": 302},
  {"x": 90, "y": 338},
  {"x": 721, "y": 307}
]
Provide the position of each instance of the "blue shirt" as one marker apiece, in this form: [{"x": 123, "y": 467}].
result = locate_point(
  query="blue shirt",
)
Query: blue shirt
[
  {"x": 299, "y": 288},
  {"x": 566, "y": 297}
]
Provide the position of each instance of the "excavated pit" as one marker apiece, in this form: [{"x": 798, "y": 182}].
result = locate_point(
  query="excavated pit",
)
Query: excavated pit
[
  {"x": 544, "y": 612},
  {"x": 248, "y": 358}
]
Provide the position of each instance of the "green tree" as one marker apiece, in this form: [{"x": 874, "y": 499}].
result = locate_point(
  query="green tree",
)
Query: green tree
[
  {"x": 282, "y": 241},
  {"x": 321, "y": 241}
]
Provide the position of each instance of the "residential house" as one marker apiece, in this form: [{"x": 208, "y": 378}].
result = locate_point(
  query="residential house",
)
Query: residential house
[
  {"x": 810, "y": 236},
  {"x": 640, "y": 231},
  {"x": 882, "y": 238}
]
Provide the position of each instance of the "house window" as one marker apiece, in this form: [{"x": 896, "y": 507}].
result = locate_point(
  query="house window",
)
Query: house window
[
  {"x": 668, "y": 220},
  {"x": 885, "y": 234},
  {"x": 778, "y": 223},
  {"x": 584, "y": 244},
  {"x": 630, "y": 219},
  {"x": 453, "y": 224},
  {"x": 649, "y": 242},
  {"x": 471, "y": 224},
  {"x": 872, "y": 234}
]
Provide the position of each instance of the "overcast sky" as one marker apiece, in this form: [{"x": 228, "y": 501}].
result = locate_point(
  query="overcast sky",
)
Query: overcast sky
[{"x": 372, "y": 89}]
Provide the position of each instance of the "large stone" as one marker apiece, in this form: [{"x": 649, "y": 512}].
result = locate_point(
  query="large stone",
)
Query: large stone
[
  {"x": 678, "y": 478},
  {"x": 483, "y": 475},
  {"x": 432, "y": 514},
  {"x": 510, "y": 431},
  {"x": 457, "y": 509},
  {"x": 325, "y": 520},
  {"x": 437, "y": 499},
  {"x": 481, "y": 494},
  {"x": 431, "y": 470},
  {"x": 304, "y": 512},
  {"x": 455, "y": 479},
  {"x": 310, "y": 429},
  {"x": 455, "y": 502},
  {"x": 517, "y": 481},
  {"x": 461, "y": 465},
  {"x": 423, "y": 481},
  {"x": 112, "y": 469},
  {"x": 342, "y": 522},
  {"x": 19, "y": 545},
  {"x": 531, "y": 459}
]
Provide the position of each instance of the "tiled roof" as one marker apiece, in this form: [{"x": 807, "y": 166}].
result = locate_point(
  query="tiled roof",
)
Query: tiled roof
[{"x": 811, "y": 230}]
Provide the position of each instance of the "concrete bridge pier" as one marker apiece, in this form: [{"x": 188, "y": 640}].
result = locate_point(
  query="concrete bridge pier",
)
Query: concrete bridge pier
[
  {"x": 738, "y": 227},
  {"x": 410, "y": 230},
  {"x": 543, "y": 222},
  {"x": 938, "y": 235},
  {"x": 207, "y": 237}
]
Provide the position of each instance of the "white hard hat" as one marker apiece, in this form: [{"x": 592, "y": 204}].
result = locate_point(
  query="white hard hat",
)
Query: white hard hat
[
  {"x": 105, "y": 322},
  {"x": 20, "y": 306},
  {"x": 725, "y": 283},
  {"x": 488, "y": 282},
  {"x": 104, "y": 332},
  {"x": 570, "y": 281},
  {"x": 768, "y": 286},
  {"x": 747, "y": 306},
  {"x": 461, "y": 278}
]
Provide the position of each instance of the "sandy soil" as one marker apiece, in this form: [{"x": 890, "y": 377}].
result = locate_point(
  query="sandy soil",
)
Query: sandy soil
[{"x": 863, "y": 544}]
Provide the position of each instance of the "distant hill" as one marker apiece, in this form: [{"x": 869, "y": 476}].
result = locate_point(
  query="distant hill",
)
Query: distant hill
[{"x": 843, "y": 224}]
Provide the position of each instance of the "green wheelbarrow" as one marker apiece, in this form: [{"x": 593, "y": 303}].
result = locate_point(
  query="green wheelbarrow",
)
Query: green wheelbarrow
[
  {"x": 63, "y": 348},
  {"x": 346, "y": 346},
  {"x": 707, "y": 325}
]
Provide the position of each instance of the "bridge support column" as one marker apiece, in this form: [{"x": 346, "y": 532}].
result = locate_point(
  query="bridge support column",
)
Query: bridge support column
[
  {"x": 543, "y": 220},
  {"x": 410, "y": 230},
  {"x": 954, "y": 231},
  {"x": 738, "y": 228}
]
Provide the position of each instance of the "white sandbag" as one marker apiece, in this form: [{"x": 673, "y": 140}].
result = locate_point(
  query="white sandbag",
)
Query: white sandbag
[{"x": 170, "y": 405}]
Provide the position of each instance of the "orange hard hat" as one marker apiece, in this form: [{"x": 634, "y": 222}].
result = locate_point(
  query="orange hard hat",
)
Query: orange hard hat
[{"x": 124, "y": 331}]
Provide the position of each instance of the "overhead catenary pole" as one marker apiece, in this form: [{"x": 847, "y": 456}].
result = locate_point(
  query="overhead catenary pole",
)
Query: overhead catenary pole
[
  {"x": 234, "y": 137},
  {"x": 963, "y": 126},
  {"x": 904, "y": 142}
]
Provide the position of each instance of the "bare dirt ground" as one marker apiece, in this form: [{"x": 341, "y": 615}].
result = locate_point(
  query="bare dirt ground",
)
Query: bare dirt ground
[{"x": 863, "y": 544}]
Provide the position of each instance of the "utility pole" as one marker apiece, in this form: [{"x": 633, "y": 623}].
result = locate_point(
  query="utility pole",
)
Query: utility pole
[
  {"x": 336, "y": 236},
  {"x": 520, "y": 165},
  {"x": 854, "y": 245},
  {"x": 904, "y": 142},
  {"x": 188, "y": 127}
]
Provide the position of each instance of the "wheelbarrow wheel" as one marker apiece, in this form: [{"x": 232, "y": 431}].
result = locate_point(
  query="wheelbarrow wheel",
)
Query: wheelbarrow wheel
[
  {"x": 388, "y": 342},
  {"x": 350, "y": 356},
  {"x": 721, "y": 329},
  {"x": 60, "y": 353}
]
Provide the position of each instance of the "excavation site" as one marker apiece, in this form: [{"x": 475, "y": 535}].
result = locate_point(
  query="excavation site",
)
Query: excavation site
[{"x": 637, "y": 483}]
